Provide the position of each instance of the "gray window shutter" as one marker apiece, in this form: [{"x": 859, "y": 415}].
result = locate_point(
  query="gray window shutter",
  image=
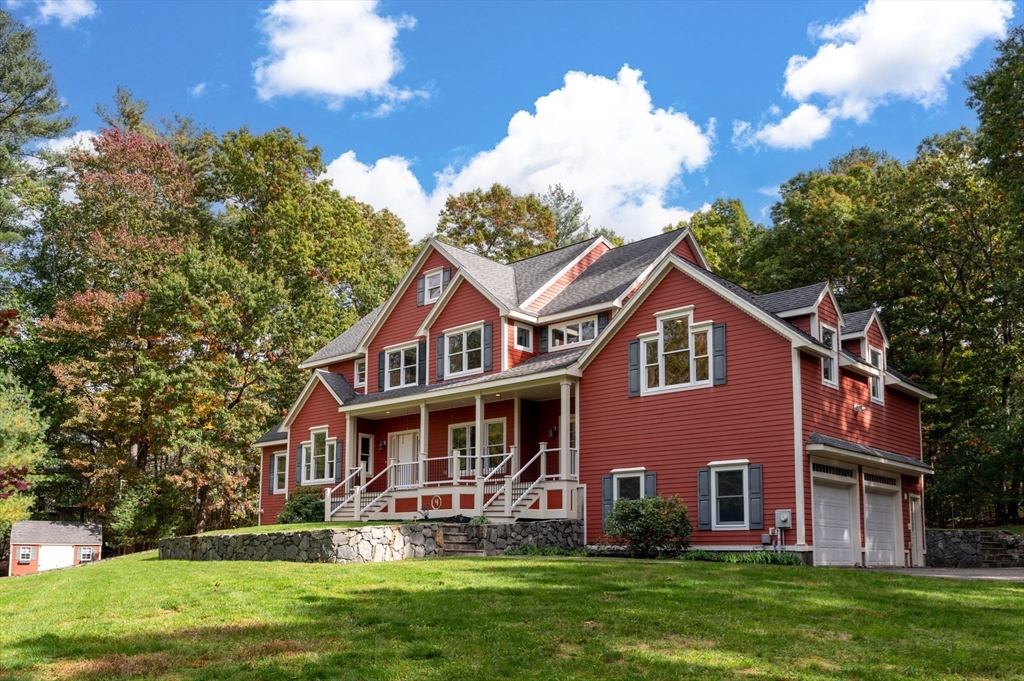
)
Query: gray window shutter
[
  {"x": 298, "y": 465},
  {"x": 488, "y": 333},
  {"x": 542, "y": 346},
  {"x": 270, "y": 477},
  {"x": 703, "y": 498},
  {"x": 339, "y": 447},
  {"x": 421, "y": 361},
  {"x": 446, "y": 276},
  {"x": 439, "y": 369},
  {"x": 634, "y": 368},
  {"x": 607, "y": 498},
  {"x": 602, "y": 321},
  {"x": 754, "y": 483},
  {"x": 651, "y": 484},
  {"x": 380, "y": 372},
  {"x": 718, "y": 358},
  {"x": 421, "y": 291}
]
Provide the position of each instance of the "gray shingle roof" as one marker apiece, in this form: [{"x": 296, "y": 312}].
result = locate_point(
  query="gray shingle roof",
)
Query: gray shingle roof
[
  {"x": 339, "y": 385},
  {"x": 857, "y": 322},
  {"x": 819, "y": 439},
  {"x": 549, "y": 361},
  {"x": 791, "y": 299},
  {"x": 532, "y": 273},
  {"x": 498, "y": 279},
  {"x": 348, "y": 341},
  {"x": 905, "y": 379},
  {"x": 612, "y": 274},
  {"x": 56, "y": 532},
  {"x": 275, "y": 434}
]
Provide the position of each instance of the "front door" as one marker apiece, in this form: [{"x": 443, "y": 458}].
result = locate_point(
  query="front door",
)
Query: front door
[
  {"x": 404, "y": 447},
  {"x": 916, "y": 550}
]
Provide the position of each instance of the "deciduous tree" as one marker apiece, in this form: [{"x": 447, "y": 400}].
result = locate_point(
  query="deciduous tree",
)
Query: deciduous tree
[{"x": 497, "y": 224}]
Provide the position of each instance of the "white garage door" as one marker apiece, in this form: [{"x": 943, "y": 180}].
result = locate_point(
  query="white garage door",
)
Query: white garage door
[
  {"x": 833, "y": 536},
  {"x": 880, "y": 527},
  {"x": 52, "y": 557}
]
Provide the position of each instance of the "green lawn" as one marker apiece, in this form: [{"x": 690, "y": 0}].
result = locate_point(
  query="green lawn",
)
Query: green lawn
[{"x": 504, "y": 618}]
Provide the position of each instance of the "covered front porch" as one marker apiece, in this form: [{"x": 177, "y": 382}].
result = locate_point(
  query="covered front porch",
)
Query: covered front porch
[{"x": 507, "y": 453}]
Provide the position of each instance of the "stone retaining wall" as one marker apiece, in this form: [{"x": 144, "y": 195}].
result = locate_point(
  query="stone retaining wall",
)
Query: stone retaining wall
[
  {"x": 371, "y": 544},
  {"x": 964, "y": 548}
]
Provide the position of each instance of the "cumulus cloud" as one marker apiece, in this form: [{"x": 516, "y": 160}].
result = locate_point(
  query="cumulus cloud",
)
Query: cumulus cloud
[
  {"x": 67, "y": 12},
  {"x": 602, "y": 138},
  {"x": 83, "y": 139},
  {"x": 886, "y": 51},
  {"x": 334, "y": 51}
]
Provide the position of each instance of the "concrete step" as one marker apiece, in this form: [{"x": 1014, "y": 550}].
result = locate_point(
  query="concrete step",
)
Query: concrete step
[{"x": 468, "y": 553}]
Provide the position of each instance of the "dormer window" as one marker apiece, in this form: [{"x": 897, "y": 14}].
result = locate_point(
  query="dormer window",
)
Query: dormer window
[
  {"x": 829, "y": 376},
  {"x": 578, "y": 331},
  {"x": 433, "y": 286},
  {"x": 877, "y": 360}
]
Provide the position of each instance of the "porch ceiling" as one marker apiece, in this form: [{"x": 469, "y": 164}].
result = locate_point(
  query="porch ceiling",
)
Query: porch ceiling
[{"x": 538, "y": 392}]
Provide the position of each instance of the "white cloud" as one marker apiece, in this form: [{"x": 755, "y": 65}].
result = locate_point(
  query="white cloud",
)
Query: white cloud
[
  {"x": 888, "y": 50},
  {"x": 335, "y": 51},
  {"x": 83, "y": 139},
  {"x": 198, "y": 90},
  {"x": 67, "y": 12},
  {"x": 601, "y": 138}
]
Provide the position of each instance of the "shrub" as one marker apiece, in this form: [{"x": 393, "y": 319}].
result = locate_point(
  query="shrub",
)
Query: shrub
[
  {"x": 752, "y": 558},
  {"x": 304, "y": 505},
  {"x": 480, "y": 520},
  {"x": 701, "y": 554},
  {"x": 531, "y": 550},
  {"x": 650, "y": 525}
]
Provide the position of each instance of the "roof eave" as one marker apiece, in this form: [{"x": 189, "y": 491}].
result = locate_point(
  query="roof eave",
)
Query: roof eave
[
  {"x": 330, "y": 360},
  {"x": 861, "y": 457},
  {"x": 897, "y": 384}
]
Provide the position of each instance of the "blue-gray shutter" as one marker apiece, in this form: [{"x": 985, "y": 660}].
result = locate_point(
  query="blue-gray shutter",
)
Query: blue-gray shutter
[
  {"x": 439, "y": 369},
  {"x": 754, "y": 488},
  {"x": 339, "y": 447},
  {"x": 271, "y": 476},
  {"x": 488, "y": 333},
  {"x": 421, "y": 361},
  {"x": 718, "y": 354},
  {"x": 602, "y": 321},
  {"x": 634, "y": 368},
  {"x": 651, "y": 484},
  {"x": 421, "y": 291},
  {"x": 380, "y": 372},
  {"x": 446, "y": 276},
  {"x": 607, "y": 498},
  {"x": 298, "y": 465},
  {"x": 542, "y": 345},
  {"x": 703, "y": 498}
]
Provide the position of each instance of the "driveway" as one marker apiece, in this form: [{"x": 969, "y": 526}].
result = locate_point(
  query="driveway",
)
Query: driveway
[{"x": 996, "y": 574}]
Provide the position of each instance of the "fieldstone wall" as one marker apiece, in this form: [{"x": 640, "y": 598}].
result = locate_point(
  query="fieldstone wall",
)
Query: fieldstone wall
[
  {"x": 371, "y": 544},
  {"x": 973, "y": 548}
]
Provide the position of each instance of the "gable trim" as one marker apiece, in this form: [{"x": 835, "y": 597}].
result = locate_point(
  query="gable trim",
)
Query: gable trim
[
  {"x": 446, "y": 296},
  {"x": 307, "y": 390},
  {"x": 565, "y": 270},
  {"x": 863, "y": 333}
]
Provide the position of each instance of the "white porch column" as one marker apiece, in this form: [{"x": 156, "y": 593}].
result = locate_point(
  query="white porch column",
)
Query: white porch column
[
  {"x": 424, "y": 448},
  {"x": 351, "y": 443},
  {"x": 563, "y": 431},
  {"x": 481, "y": 435},
  {"x": 516, "y": 429}
]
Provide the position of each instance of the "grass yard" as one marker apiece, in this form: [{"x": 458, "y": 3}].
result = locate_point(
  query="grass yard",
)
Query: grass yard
[{"x": 505, "y": 618}]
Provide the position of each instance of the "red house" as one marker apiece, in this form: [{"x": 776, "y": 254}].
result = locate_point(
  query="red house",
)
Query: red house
[{"x": 552, "y": 386}]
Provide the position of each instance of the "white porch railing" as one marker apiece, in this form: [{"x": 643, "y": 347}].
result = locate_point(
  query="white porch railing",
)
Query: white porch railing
[
  {"x": 386, "y": 475},
  {"x": 574, "y": 464},
  {"x": 405, "y": 475},
  {"x": 341, "y": 494},
  {"x": 519, "y": 485},
  {"x": 494, "y": 482}
]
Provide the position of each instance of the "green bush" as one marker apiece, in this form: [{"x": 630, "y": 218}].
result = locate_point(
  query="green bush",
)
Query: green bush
[
  {"x": 701, "y": 554},
  {"x": 649, "y": 526},
  {"x": 304, "y": 505},
  {"x": 480, "y": 520},
  {"x": 531, "y": 550},
  {"x": 752, "y": 558}
]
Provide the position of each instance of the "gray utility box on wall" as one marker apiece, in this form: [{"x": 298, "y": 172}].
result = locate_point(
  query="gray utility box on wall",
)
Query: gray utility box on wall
[{"x": 784, "y": 519}]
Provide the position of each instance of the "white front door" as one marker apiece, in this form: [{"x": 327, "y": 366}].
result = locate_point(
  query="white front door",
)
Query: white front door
[
  {"x": 53, "y": 557},
  {"x": 405, "y": 445},
  {"x": 916, "y": 550},
  {"x": 880, "y": 527},
  {"x": 833, "y": 524}
]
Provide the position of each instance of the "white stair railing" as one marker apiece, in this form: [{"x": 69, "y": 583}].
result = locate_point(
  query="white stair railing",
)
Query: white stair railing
[
  {"x": 386, "y": 474},
  {"x": 521, "y": 487},
  {"x": 341, "y": 494},
  {"x": 495, "y": 480}
]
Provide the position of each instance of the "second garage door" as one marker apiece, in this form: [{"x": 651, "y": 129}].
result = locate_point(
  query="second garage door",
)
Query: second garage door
[
  {"x": 880, "y": 527},
  {"x": 833, "y": 522}
]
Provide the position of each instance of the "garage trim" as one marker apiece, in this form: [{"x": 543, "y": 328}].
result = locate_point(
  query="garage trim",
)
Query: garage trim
[{"x": 819, "y": 468}]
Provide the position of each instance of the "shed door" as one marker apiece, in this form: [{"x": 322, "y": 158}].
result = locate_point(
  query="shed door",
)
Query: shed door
[
  {"x": 52, "y": 557},
  {"x": 880, "y": 527},
  {"x": 833, "y": 523}
]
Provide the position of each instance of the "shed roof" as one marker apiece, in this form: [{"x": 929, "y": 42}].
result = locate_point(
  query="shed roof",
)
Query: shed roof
[
  {"x": 56, "y": 532},
  {"x": 828, "y": 440}
]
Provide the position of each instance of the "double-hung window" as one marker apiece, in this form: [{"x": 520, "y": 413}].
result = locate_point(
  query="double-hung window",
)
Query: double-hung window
[
  {"x": 828, "y": 364},
  {"x": 280, "y": 473},
  {"x": 877, "y": 384},
  {"x": 464, "y": 353},
  {"x": 524, "y": 338},
  {"x": 24, "y": 554},
  {"x": 677, "y": 355},
  {"x": 86, "y": 554},
  {"x": 433, "y": 285},
  {"x": 729, "y": 496},
  {"x": 628, "y": 484},
  {"x": 360, "y": 373},
  {"x": 401, "y": 367},
  {"x": 462, "y": 439},
  {"x": 318, "y": 458},
  {"x": 578, "y": 331}
]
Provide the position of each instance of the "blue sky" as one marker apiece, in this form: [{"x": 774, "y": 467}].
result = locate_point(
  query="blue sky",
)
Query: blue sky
[{"x": 648, "y": 111}]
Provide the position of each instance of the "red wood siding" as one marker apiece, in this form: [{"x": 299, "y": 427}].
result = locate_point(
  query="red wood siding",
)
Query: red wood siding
[
  {"x": 803, "y": 322},
  {"x": 853, "y": 345},
  {"x": 875, "y": 335},
  {"x": 467, "y": 305},
  {"x": 675, "y": 434},
  {"x": 827, "y": 314},
  {"x": 519, "y": 356},
  {"x": 910, "y": 484},
  {"x": 404, "y": 320},
  {"x": 683, "y": 250},
  {"x": 559, "y": 285},
  {"x": 348, "y": 370},
  {"x": 271, "y": 503}
]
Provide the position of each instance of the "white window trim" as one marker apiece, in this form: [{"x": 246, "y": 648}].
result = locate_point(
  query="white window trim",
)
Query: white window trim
[
  {"x": 463, "y": 330},
  {"x": 355, "y": 373},
  {"x": 563, "y": 325},
  {"x": 515, "y": 337},
  {"x": 873, "y": 380},
  {"x": 359, "y": 453},
  {"x": 81, "y": 554},
  {"x": 722, "y": 466},
  {"x": 427, "y": 300},
  {"x": 277, "y": 456},
  {"x": 21, "y": 552},
  {"x": 834, "y": 383},
  {"x": 471, "y": 444},
  {"x": 308, "y": 446},
  {"x": 387, "y": 373},
  {"x": 698, "y": 327},
  {"x": 627, "y": 473}
]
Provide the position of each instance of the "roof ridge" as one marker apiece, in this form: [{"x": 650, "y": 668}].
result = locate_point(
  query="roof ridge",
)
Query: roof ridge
[{"x": 555, "y": 250}]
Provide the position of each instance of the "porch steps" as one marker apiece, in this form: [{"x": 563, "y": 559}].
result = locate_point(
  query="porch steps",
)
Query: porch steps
[
  {"x": 496, "y": 511},
  {"x": 460, "y": 544},
  {"x": 994, "y": 553}
]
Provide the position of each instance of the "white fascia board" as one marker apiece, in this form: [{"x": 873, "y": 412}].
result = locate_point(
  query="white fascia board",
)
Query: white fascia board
[
  {"x": 270, "y": 443},
  {"x": 835, "y": 304},
  {"x": 446, "y": 296},
  {"x": 588, "y": 311},
  {"x": 561, "y": 273},
  {"x": 858, "y": 366},
  {"x": 897, "y": 384},
  {"x": 695, "y": 247},
  {"x": 307, "y": 390},
  {"x": 859, "y": 457},
  {"x": 330, "y": 360},
  {"x": 799, "y": 312}
]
